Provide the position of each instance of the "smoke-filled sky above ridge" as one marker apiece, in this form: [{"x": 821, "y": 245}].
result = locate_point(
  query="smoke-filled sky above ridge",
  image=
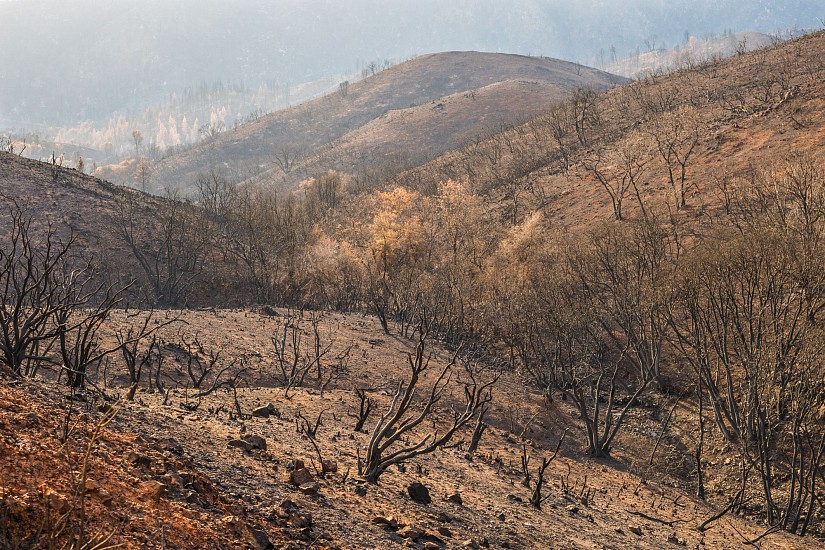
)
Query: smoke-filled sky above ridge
[{"x": 70, "y": 60}]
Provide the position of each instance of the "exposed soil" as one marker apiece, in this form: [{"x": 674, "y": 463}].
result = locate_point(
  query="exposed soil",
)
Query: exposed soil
[{"x": 162, "y": 475}]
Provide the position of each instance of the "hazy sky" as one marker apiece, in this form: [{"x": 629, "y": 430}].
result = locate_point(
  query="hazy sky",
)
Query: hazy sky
[{"x": 71, "y": 60}]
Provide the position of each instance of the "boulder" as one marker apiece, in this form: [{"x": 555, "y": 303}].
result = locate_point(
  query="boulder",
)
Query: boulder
[
  {"x": 387, "y": 522},
  {"x": 410, "y": 532},
  {"x": 255, "y": 441},
  {"x": 419, "y": 493},
  {"x": 329, "y": 466},
  {"x": 240, "y": 444},
  {"x": 300, "y": 476},
  {"x": 153, "y": 489},
  {"x": 257, "y": 538},
  {"x": 261, "y": 412},
  {"x": 309, "y": 489}
]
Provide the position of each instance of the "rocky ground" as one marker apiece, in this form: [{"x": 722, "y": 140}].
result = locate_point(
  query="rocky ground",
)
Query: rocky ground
[{"x": 236, "y": 468}]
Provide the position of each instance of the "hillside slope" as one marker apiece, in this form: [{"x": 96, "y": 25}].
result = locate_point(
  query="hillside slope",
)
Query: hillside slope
[
  {"x": 735, "y": 118},
  {"x": 287, "y": 136},
  {"x": 163, "y": 472},
  {"x": 96, "y": 213}
]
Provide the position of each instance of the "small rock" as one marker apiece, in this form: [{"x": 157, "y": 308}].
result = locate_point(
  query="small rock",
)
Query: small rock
[
  {"x": 54, "y": 500},
  {"x": 443, "y": 518},
  {"x": 410, "y": 532},
  {"x": 173, "y": 481},
  {"x": 32, "y": 420},
  {"x": 240, "y": 444},
  {"x": 296, "y": 464},
  {"x": 173, "y": 446},
  {"x": 301, "y": 520},
  {"x": 636, "y": 530},
  {"x": 258, "y": 538},
  {"x": 309, "y": 489},
  {"x": 573, "y": 509},
  {"x": 153, "y": 489},
  {"x": 674, "y": 539},
  {"x": 136, "y": 459},
  {"x": 444, "y": 532},
  {"x": 419, "y": 493},
  {"x": 105, "y": 498},
  {"x": 261, "y": 412},
  {"x": 288, "y": 505},
  {"x": 430, "y": 545},
  {"x": 192, "y": 497},
  {"x": 269, "y": 311},
  {"x": 455, "y": 498},
  {"x": 301, "y": 476},
  {"x": 514, "y": 498},
  {"x": 256, "y": 441},
  {"x": 329, "y": 466},
  {"x": 387, "y": 522},
  {"x": 91, "y": 486},
  {"x": 501, "y": 517},
  {"x": 470, "y": 543},
  {"x": 360, "y": 490}
]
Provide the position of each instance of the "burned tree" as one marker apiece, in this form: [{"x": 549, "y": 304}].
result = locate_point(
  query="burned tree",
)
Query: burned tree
[
  {"x": 386, "y": 446},
  {"x": 31, "y": 281}
]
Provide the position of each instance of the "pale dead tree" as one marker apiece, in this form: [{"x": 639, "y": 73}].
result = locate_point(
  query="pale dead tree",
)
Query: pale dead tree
[
  {"x": 387, "y": 445},
  {"x": 143, "y": 174},
  {"x": 599, "y": 162},
  {"x": 586, "y": 114},
  {"x": 675, "y": 136},
  {"x": 137, "y": 138}
]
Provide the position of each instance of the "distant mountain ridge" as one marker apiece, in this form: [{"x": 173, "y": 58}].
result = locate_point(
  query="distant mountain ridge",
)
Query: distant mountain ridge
[{"x": 313, "y": 130}]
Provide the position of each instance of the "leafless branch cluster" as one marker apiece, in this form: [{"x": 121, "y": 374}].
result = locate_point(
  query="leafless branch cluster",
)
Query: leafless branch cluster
[{"x": 386, "y": 446}]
